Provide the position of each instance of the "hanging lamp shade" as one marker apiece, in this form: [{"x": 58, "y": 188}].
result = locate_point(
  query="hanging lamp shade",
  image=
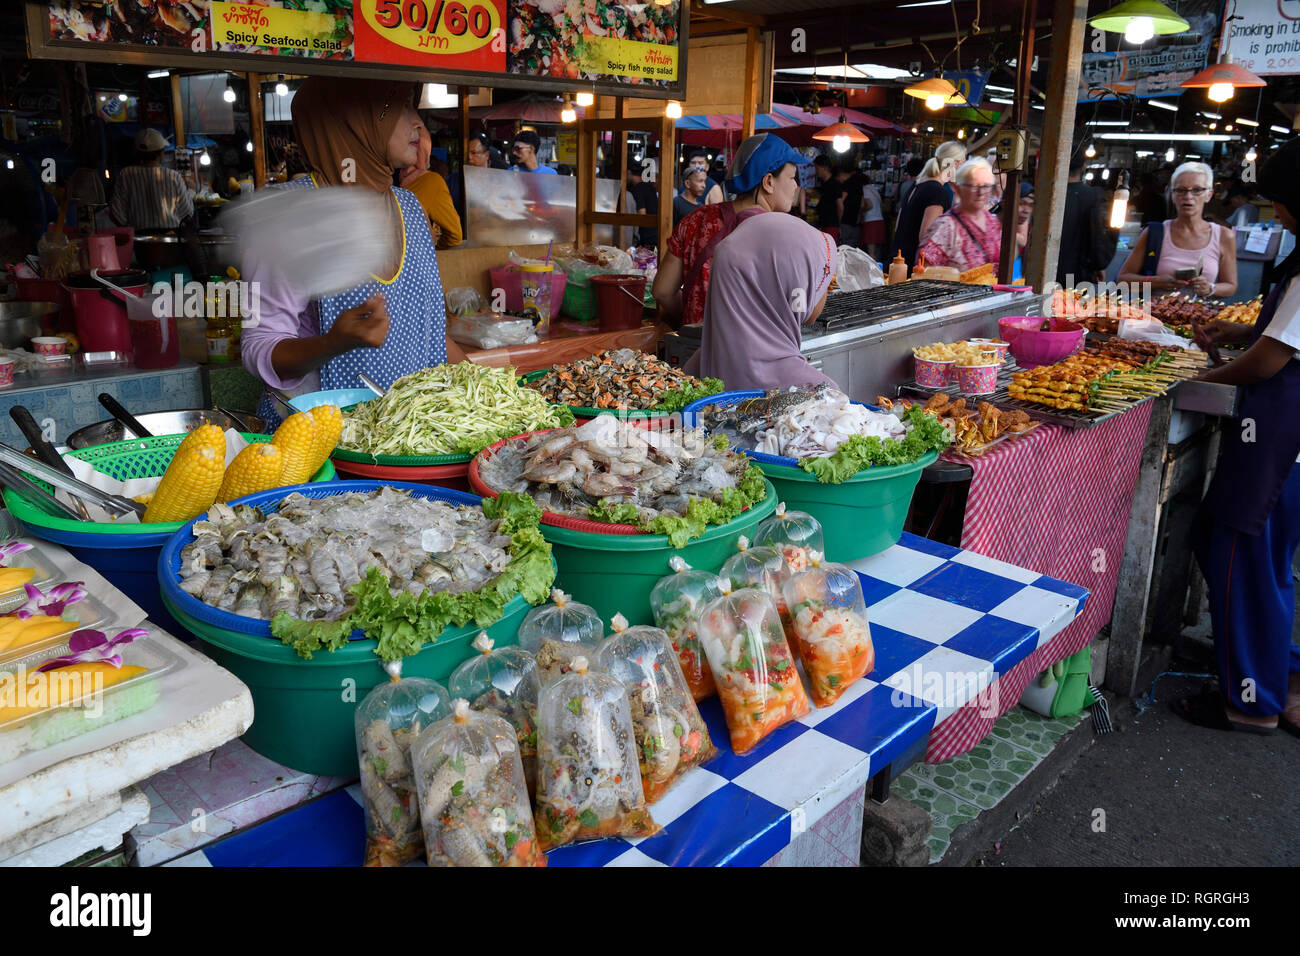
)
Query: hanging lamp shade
[
  {"x": 1222, "y": 79},
  {"x": 1163, "y": 21},
  {"x": 936, "y": 86},
  {"x": 841, "y": 129}
]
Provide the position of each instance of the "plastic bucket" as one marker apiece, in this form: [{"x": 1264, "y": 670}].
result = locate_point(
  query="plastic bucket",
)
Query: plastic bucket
[
  {"x": 301, "y": 717},
  {"x": 615, "y": 573},
  {"x": 620, "y": 301},
  {"x": 509, "y": 279},
  {"x": 444, "y": 476},
  {"x": 155, "y": 340},
  {"x": 101, "y": 313}
]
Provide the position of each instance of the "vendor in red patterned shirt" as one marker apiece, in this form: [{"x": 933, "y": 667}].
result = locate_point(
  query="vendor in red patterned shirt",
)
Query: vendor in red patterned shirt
[{"x": 764, "y": 178}]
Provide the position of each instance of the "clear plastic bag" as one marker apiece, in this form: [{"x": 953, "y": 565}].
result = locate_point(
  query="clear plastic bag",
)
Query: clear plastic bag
[
  {"x": 489, "y": 330},
  {"x": 676, "y": 602},
  {"x": 503, "y": 681},
  {"x": 761, "y": 568},
  {"x": 796, "y": 534},
  {"x": 857, "y": 270},
  {"x": 588, "y": 781},
  {"x": 557, "y": 632},
  {"x": 753, "y": 667},
  {"x": 464, "y": 300},
  {"x": 473, "y": 798},
  {"x": 387, "y": 722},
  {"x": 670, "y": 734},
  {"x": 829, "y": 620},
  {"x": 581, "y": 264}
]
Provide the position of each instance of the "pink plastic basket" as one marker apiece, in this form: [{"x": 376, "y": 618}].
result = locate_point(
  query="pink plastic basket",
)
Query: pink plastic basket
[{"x": 1032, "y": 347}]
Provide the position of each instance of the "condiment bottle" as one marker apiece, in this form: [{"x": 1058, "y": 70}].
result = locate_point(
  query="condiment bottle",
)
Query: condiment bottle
[{"x": 898, "y": 268}]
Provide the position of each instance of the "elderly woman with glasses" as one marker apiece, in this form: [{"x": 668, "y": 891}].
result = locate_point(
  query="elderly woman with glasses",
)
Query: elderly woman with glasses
[
  {"x": 1188, "y": 254},
  {"x": 968, "y": 235}
]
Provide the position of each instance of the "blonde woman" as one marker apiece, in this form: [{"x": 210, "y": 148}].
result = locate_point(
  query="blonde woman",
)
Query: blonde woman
[
  {"x": 968, "y": 235},
  {"x": 929, "y": 199},
  {"x": 1187, "y": 254}
]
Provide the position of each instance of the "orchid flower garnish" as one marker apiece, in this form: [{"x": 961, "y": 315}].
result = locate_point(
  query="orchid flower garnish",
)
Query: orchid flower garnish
[
  {"x": 61, "y": 595},
  {"x": 92, "y": 646},
  {"x": 13, "y": 547}
]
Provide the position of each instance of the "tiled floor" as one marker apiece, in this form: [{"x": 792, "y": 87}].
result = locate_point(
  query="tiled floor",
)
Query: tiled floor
[{"x": 957, "y": 790}]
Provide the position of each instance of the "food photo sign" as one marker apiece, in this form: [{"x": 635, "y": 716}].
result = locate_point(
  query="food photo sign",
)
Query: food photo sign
[{"x": 628, "y": 48}]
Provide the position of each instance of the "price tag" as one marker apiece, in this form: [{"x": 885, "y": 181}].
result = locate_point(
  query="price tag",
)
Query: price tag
[
  {"x": 1257, "y": 241},
  {"x": 466, "y": 34}
]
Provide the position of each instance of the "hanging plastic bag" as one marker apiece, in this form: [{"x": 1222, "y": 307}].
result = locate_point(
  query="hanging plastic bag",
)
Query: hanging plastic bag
[
  {"x": 796, "y": 534},
  {"x": 473, "y": 798},
  {"x": 829, "y": 619},
  {"x": 753, "y": 667},
  {"x": 558, "y": 632},
  {"x": 669, "y": 733},
  {"x": 503, "y": 681},
  {"x": 387, "y": 723},
  {"x": 588, "y": 782},
  {"x": 761, "y": 568},
  {"x": 676, "y": 601}
]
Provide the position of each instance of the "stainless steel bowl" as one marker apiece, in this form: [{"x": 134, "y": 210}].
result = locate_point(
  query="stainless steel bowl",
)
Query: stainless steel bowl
[
  {"x": 20, "y": 322},
  {"x": 163, "y": 423}
]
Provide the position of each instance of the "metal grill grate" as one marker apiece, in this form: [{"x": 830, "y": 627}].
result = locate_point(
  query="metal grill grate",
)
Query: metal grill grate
[{"x": 845, "y": 310}]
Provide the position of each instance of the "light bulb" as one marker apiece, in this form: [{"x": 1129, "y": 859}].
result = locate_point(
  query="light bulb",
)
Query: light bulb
[
  {"x": 915, "y": 130},
  {"x": 934, "y": 101},
  {"x": 1087, "y": 177},
  {"x": 1091, "y": 151},
  {"x": 961, "y": 134},
  {"x": 282, "y": 88},
  {"x": 673, "y": 110},
  {"x": 1170, "y": 154},
  {"x": 228, "y": 95},
  {"x": 122, "y": 97},
  {"x": 1251, "y": 155},
  {"x": 1228, "y": 128},
  {"x": 840, "y": 144},
  {"x": 929, "y": 129},
  {"x": 568, "y": 114},
  {"x": 1139, "y": 30},
  {"x": 1105, "y": 174},
  {"x": 9, "y": 164},
  {"x": 205, "y": 159},
  {"x": 586, "y": 99},
  {"x": 1119, "y": 209},
  {"x": 1214, "y": 126},
  {"x": 249, "y": 146},
  {"x": 1220, "y": 92}
]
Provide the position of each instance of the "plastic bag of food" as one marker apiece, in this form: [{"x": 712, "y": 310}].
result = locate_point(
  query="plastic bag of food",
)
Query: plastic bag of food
[
  {"x": 676, "y": 602},
  {"x": 581, "y": 264},
  {"x": 670, "y": 735},
  {"x": 796, "y": 534},
  {"x": 503, "y": 681},
  {"x": 753, "y": 667},
  {"x": 473, "y": 798},
  {"x": 387, "y": 723},
  {"x": 829, "y": 620},
  {"x": 556, "y": 633},
  {"x": 588, "y": 781},
  {"x": 490, "y": 330},
  {"x": 464, "y": 300},
  {"x": 857, "y": 270},
  {"x": 761, "y": 568}
]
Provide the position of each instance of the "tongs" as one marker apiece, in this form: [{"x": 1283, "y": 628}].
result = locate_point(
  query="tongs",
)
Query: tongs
[
  {"x": 115, "y": 504},
  {"x": 35, "y": 495}
]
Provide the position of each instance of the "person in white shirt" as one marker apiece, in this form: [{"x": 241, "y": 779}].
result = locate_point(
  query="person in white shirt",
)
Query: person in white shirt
[{"x": 147, "y": 196}]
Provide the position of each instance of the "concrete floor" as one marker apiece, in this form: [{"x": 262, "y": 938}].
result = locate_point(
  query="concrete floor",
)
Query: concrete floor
[{"x": 1161, "y": 792}]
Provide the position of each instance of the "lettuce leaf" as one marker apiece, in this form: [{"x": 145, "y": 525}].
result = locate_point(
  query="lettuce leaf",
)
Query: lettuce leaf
[
  {"x": 700, "y": 512},
  {"x": 675, "y": 399},
  {"x": 614, "y": 514},
  {"x": 925, "y": 434},
  {"x": 404, "y": 623}
]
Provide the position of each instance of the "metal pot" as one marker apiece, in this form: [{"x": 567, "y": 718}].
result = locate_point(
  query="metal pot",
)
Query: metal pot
[
  {"x": 159, "y": 249},
  {"x": 164, "y": 423},
  {"x": 20, "y": 322},
  {"x": 219, "y": 252}
]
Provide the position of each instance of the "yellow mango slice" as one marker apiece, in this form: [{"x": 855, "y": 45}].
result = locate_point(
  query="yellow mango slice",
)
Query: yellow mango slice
[
  {"x": 13, "y": 578},
  {"x": 19, "y": 633},
  {"x": 49, "y": 689}
]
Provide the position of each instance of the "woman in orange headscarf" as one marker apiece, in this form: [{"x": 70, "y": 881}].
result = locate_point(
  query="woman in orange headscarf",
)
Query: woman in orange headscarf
[
  {"x": 431, "y": 189},
  {"x": 354, "y": 133}
]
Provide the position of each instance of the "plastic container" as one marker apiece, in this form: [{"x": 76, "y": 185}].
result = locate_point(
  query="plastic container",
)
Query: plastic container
[
  {"x": 50, "y": 345},
  {"x": 978, "y": 379},
  {"x": 582, "y": 413},
  {"x": 101, "y": 313},
  {"x": 537, "y": 293},
  {"x": 155, "y": 339},
  {"x": 1033, "y": 347},
  {"x": 898, "y": 269},
  {"x": 452, "y": 477},
  {"x": 125, "y": 554},
  {"x": 89, "y": 612},
  {"x": 7, "y": 366},
  {"x": 620, "y": 301},
  {"x": 510, "y": 279},
  {"x": 932, "y": 374},
  {"x": 342, "y": 397}
]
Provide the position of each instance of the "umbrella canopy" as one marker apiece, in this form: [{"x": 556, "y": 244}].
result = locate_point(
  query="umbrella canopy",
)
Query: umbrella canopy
[{"x": 831, "y": 114}]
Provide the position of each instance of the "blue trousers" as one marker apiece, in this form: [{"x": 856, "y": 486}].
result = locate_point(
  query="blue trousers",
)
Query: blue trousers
[{"x": 1251, "y": 594}]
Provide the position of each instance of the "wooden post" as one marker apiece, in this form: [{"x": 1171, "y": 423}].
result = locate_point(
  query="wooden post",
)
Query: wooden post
[
  {"x": 462, "y": 102},
  {"x": 257, "y": 128},
  {"x": 586, "y": 229},
  {"x": 1011, "y": 193},
  {"x": 178, "y": 111},
  {"x": 1069, "y": 26},
  {"x": 619, "y": 140},
  {"x": 752, "y": 47},
  {"x": 667, "y": 164}
]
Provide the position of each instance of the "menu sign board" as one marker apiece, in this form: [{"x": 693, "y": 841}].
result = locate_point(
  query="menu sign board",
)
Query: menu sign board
[{"x": 621, "y": 46}]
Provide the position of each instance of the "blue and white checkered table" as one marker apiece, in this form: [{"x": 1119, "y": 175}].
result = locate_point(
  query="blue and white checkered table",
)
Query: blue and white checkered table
[{"x": 946, "y": 624}]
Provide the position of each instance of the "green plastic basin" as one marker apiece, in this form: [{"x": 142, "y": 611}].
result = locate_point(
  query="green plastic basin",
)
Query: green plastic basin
[
  {"x": 860, "y": 517},
  {"x": 303, "y": 709},
  {"x": 614, "y": 573}
]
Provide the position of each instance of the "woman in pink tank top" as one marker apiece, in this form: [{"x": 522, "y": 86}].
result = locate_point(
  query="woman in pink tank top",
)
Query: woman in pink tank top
[{"x": 1189, "y": 242}]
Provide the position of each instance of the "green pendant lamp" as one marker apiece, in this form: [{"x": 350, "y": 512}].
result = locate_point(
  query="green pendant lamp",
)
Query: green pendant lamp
[{"x": 1140, "y": 20}]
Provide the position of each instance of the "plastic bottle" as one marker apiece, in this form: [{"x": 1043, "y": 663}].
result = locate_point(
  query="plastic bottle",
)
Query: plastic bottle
[{"x": 898, "y": 268}]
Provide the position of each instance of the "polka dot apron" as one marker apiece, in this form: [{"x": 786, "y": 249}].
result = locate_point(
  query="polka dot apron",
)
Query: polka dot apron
[{"x": 418, "y": 317}]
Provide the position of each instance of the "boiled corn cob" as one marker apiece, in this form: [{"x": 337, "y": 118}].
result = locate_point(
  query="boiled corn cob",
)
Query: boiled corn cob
[
  {"x": 205, "y": 435},
  {"x": 296, "y": 438},
  {"x": 256, "y": 468},
  {"x": 189, "y": 486},
  {"x": 329, "y": 422}
]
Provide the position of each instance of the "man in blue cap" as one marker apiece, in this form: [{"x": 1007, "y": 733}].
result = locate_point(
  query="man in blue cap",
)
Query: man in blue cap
[{"x": 764, "y": 178}]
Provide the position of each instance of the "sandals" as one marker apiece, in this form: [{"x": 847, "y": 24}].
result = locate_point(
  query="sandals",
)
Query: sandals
[{"x": 1207, "y": 711}]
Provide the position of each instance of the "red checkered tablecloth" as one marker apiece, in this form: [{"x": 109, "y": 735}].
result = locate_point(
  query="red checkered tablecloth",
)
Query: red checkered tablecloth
[{"x": 1057, "y": 502}]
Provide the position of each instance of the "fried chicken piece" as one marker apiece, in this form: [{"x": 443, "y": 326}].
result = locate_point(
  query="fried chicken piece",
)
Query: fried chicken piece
[
  {"x": 957, "y": 408},
  {"x": 937, "y": 401}
]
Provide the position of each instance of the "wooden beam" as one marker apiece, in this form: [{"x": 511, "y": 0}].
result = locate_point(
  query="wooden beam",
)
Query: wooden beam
[
  {"x": 752, "y": 48},
  {"x": 699, "y": 9},
  {"x": 1069, "y": 27},
  {"x": 718, "y": 28},
  {"x": 586, "y": 202},
  {"x": 1011, "y": 191},
  {"x": 620, "y": 219},
  {"x": 667, "y": 166},
  {"x": 257, "y": 128},
  {"x": 178, "y": 111}
]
